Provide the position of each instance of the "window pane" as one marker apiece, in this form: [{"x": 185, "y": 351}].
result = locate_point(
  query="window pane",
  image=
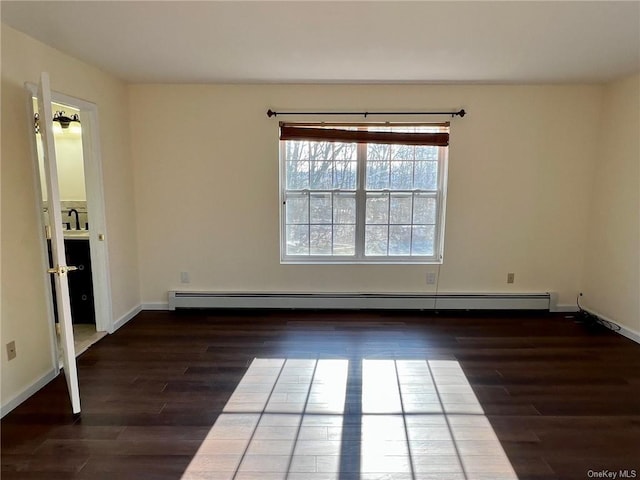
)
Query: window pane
[
  {"x": 319, "y": 151},
  {"x": 378, "y": 152},
  {"x": 344, "y": 240},
  {"x": 400, "y": 240},
  {"x": 345, "y": 151},
  {"x": 423, "y": 240},
  {"x": 321, "y": 208},
  {"x": 344, "y": 208},
  {"x": 297, "y": 208},
  {"x": 297, "y": 175},
  {"x": 375, "y": 241},
  {"x": 297, "y": 240},
  {"x": 377, "y": 175},
  {"x": 402, "y": 175},
  {"x": 426, "y": 153},
  {"x": 400, "y": 209},
  {"x": 345, "y": 175},
  {"x": 320, "y": 240},
  {"x": 321, "y": 175},
  {"x": 426, "y": 176},
  {"x": 424, "y": 210},
  {"x": 377, "y": 208},
  {"x": 402, "y": 152},
  {"x": 297, "y": 150}
]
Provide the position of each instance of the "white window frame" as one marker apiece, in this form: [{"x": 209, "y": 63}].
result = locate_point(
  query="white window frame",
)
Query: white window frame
[{"x": 360, "y": 258}]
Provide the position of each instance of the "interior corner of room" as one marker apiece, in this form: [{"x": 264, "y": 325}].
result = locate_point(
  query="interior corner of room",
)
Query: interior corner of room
[{"x": 543, "y": 185}]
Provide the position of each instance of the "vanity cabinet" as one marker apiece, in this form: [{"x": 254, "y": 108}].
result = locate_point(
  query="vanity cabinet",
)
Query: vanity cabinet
[{"x": 80, "y": 281}]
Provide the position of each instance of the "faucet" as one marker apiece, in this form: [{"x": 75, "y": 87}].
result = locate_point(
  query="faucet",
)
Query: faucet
[{"x": 72, "y": 211}]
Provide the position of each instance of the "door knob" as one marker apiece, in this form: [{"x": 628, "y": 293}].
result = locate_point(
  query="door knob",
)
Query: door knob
[{"x": 62, "y": 269}]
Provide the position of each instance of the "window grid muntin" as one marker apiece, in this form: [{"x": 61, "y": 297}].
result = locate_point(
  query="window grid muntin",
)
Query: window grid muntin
[
  {"x": 390, "y": 192},
  {"x": 413, "y": 195},
  {"x": 315, "y": 222}
]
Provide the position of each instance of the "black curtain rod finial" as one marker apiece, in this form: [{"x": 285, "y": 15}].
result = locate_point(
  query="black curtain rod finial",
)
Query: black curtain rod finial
[
  {"x": 461, "y": 113},
  {"x": 271, "y": 113}
]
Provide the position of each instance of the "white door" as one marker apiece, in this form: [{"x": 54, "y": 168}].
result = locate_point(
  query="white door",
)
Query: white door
[{"x": 60, "y": 268}]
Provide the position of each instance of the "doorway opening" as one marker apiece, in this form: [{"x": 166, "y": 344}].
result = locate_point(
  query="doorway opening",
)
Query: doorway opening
[{"x": 82, "y": 208}]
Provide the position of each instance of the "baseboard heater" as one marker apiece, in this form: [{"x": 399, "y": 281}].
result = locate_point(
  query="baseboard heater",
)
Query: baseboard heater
[{"x": 361, "y": 301}]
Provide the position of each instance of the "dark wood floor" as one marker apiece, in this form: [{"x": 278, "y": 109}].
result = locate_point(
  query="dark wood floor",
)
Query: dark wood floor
[{"x": 563, "y": 400}]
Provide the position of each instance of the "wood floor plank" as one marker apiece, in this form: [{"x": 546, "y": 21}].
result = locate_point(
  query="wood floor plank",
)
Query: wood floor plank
[{"x": 559, "y": 399}]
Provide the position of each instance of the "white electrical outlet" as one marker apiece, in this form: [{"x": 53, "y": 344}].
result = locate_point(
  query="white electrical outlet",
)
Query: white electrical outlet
[
  {"x": 184, "y": 277},
  {"x": 431, "y": 278}
]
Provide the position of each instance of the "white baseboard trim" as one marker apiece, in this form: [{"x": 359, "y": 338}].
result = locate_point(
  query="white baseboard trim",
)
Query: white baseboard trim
[
  {"x": 155, "y": 306},
  {"x": 624, "y": 331},
  {"x": 126, "y": 317},
  {"x": 27, "y": 392}
]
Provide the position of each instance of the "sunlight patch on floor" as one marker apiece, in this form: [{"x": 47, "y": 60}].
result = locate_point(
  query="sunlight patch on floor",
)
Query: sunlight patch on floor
[{"x": 414, "y": 420}]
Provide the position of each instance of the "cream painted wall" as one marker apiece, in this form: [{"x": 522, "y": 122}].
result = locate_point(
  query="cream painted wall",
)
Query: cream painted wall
[
  {"x": 68, "y": 147},
  {"x": 70, "y": 167},
  {"x": 24, "y": 314},
  {"x": 611, "y": 282},
  {"x": 206, "y": 172}
]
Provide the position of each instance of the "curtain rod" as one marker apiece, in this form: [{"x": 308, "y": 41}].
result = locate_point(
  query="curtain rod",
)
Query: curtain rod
[{"x": 460, "y": 113}]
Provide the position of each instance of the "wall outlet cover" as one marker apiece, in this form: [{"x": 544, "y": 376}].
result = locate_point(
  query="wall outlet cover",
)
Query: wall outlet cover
[{"x": 11, "y": 350}]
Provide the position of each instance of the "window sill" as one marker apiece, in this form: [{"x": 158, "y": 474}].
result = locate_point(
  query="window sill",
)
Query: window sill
[{"x": 333, "y": 261}]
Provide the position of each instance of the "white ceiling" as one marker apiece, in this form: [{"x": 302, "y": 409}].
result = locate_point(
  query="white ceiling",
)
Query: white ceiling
[{"x": 344, "y": 41}]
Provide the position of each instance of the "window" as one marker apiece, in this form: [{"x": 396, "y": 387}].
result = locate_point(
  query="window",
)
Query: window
[{"x": 372, "y": 193}]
